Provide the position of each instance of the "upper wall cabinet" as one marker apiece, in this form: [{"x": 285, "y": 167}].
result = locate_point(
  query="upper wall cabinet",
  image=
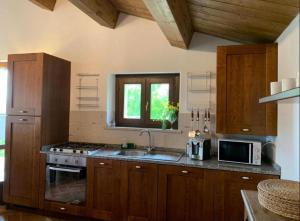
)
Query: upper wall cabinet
[
  {"x": 244, "y": 73},
  {"x": 25, "y": 84},
  {"x": 36, "y": 82}
]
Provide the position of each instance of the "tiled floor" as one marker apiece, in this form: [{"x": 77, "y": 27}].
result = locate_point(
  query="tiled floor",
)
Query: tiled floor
[{"x": 11, "y": 215}]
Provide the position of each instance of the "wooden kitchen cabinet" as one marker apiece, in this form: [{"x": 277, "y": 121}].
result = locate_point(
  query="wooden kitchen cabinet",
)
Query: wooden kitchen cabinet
[
  {"x": 38, "y": 106},
  {"x": 181, "y": 194},
  {"x": 103, "y": 189},
  {"x": 138, "y": 191},
  {"x": 23, "y": 141},
  {"x": 244, "y": 73}
]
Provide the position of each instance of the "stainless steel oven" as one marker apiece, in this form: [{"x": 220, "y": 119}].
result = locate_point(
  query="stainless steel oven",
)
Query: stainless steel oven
[{"x": 66, "y": 179}]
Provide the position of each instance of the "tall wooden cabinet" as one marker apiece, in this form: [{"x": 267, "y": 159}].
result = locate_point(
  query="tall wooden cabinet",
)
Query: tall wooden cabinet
[
  {"x": 244, "y": 73},
  {"x": 38, "y": 102}
]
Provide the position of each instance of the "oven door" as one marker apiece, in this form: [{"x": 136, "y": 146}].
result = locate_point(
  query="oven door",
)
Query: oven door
[
  {"x": 65, "y": 184},
  {"x": 235, "y": 151}
]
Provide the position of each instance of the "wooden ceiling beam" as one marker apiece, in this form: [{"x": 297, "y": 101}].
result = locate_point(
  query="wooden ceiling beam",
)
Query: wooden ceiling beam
[
  {"x": 173, "y": 19},
  {"x": 45, "y": 4},
  {"x": 102, "y": 11}
]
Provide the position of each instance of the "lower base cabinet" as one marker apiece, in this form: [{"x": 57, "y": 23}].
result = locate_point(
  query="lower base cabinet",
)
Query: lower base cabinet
[
  {"x": 103, "y": 185},
  {"x": 181, "y": 194},
  {"x": 135, "y": 191},
  {"x": 138, "y": 191},
  {"x": 233, "y": 183}
]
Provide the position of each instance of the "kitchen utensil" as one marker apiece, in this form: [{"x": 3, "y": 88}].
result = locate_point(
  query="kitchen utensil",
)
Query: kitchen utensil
[
  {"x": 192, "y": 119},
  {"x": 208, "y": 115},
  {"x": 205, "y": 128}
]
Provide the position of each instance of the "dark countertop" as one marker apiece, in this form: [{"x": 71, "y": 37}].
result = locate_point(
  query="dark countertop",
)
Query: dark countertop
[{"x": 107, "y": 151}]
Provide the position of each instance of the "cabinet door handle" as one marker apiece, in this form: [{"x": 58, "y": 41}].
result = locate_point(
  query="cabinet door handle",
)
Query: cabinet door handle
[
  {"x": 138, "y": 167},
  {"x": 62, "y": 208},
  {"x": 185, "y": 171},
  {"x": 245, "y": 129},
  {"x": 246, "y": 178},
  {"x": 23, "y": 111},
  {"x": 23, "y": 119},
  {"x": 102, "y": 163}
]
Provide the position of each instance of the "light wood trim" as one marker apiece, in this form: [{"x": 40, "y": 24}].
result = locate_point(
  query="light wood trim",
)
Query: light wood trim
[
  {"x": 45, "y": 4},
  {"x": 103, "y": 12},
  {"x": 173, "y": 19}
]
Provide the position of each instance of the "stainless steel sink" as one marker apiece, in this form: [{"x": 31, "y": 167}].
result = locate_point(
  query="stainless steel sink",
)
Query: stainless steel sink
[
  {"x": 153, "y": 155},
  {"x": 132, "y": 153},
  {"x": 164, "y": 155}
]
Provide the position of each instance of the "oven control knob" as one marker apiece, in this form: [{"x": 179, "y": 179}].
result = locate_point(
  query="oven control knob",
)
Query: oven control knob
[
  {"x": 55, "y": 159},
  {"x": 61, "y": 150},
  {"x": 54, "y": 149},
  {"x": 81, "y": 151},
  {"x": 74, "y": 151}
]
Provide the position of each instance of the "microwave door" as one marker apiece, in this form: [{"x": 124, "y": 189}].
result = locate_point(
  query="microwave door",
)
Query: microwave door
[{"x": 237, "y": 152}]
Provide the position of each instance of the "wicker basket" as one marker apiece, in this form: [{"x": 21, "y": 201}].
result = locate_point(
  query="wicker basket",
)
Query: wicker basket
[{"x": 280, "y": 197}]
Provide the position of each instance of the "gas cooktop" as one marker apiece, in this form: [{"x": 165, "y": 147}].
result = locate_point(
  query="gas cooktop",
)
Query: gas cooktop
[{"x": 74, "y": 148}]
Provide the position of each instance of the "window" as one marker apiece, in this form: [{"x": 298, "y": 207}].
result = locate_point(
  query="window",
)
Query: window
[
  {"x": 3, "y": 88},
  {"x": 142, "y": 99}
]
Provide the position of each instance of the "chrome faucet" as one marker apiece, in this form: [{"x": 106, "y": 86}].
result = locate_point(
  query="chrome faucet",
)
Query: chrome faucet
[{"x": 150, "y": 147}]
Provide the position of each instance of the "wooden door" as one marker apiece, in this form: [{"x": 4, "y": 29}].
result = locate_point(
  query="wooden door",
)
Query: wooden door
[
  {"x": 138, "y": 191},
  {"x": 234, "y": 182},
  {"x": 103, "y": 186},
  {"x": 244, "y": 75},
  {"x": 22, "y": 160},
  {"x": 181, "y": 194},
  {"x": 24, "y": 95}
]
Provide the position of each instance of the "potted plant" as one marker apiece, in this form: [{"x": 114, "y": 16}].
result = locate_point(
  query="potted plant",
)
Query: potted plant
[{"x": 169, "y": 115}]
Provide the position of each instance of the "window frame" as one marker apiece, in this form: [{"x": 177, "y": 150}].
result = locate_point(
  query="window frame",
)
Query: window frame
[
  {"x": 3, "y": 64},
  {"x": 145, "y": 80}
]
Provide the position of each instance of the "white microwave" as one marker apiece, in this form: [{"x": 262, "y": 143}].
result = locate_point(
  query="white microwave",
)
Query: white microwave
[{"x": 239, "y": 151}]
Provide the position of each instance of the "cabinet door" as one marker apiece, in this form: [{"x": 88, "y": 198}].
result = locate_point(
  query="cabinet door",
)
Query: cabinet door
[
  {"x": 138, "y": 191},
  {"x": 24, "y": 95},
  {"x": 181, "y": 194},
  {"x": 244, "y": 75},
  {"x": 234, "y": 182},
  {"x": 103, "y": 189},
  {"x": 22, "y": 160}
]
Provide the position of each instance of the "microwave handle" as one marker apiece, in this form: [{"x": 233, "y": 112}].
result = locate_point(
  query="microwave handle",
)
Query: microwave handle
[
  {"x": 250, "y": 153},
  {"x": 62, "y": 169}
]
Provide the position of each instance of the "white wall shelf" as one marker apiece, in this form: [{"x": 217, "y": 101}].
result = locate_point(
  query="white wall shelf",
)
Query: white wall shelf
[
  {"x": 295, "y": 92},
  {"x": 88, "y": 91},
  {"x": 198, "y": 90}
]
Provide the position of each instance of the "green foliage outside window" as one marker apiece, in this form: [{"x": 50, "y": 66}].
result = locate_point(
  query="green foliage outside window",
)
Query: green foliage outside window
[{"x": 132, "y": 101}]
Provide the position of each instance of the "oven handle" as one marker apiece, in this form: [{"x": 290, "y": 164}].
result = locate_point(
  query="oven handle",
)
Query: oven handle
[{"x": 65, "y": 169}]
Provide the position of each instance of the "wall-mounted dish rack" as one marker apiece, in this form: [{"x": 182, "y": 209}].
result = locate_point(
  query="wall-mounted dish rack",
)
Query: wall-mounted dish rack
[
  {"x": 88, "y": 87},
  {"x": 198, "y": 90}
]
